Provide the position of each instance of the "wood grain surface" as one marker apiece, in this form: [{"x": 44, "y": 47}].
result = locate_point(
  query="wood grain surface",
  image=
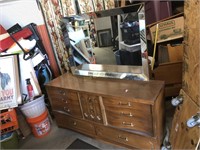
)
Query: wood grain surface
[
  {"x": 191, "y": 71},
  {"x": 143, "y": 91},
  {"x": 183, "y": 137}
]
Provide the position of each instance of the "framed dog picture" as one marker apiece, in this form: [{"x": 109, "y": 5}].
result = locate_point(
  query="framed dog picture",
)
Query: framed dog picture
[{"x": 10, "y": 93}]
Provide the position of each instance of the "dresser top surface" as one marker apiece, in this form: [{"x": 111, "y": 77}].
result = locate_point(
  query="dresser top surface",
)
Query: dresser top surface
[{"x": 140, "y": 90}]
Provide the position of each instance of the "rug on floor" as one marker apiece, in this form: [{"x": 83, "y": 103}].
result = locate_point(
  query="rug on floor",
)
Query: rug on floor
[{"x": 79, "y": 144}]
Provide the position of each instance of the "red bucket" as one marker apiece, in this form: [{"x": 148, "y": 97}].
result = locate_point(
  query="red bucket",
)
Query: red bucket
[{"x": 40, "y": 125}]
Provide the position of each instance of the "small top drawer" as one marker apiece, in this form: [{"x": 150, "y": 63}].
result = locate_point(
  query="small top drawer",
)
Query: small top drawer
[
  {"x": 60, "y": 93},
  {"x": 123, "y": 103}
]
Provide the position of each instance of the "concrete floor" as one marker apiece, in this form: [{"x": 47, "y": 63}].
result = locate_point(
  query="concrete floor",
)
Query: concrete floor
[
  {"x": 59, "y": 138},
  {"x": 104, "y": 55}
]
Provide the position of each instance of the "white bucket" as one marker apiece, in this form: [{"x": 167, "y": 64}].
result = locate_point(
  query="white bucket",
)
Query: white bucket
[{"x": 34, "y": 108}]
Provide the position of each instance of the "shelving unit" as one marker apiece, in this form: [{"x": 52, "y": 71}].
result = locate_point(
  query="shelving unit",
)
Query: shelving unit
[
  {"x": 81, "y": 43},
  {"x": 79, "y": 57}
]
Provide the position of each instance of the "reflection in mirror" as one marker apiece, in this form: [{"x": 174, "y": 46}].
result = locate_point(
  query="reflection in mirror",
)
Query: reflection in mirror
[{"x": 110, "y": 43}]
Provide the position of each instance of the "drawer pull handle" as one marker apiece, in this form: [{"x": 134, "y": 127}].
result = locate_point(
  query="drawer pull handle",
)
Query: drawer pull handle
[
  {"x": 123, "y": 138},
  {"x": 62, "y": 92},
  {"x": 86, "y": 115},
  {"x": 90, "y": 100},
  {"x": 92, "y": 116},
  {"x": 74, "y": 123},
  {"x": 65, "y": 101},
  {"x": 98, "y": 118},
  {"x": 66, "y": 109},
  {"x": 128, "y": 124},
  {"x": 128, "y": 103},
  {"x": 127, "y": 114}
]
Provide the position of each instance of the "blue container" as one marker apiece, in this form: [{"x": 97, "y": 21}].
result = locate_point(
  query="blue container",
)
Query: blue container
[
  {"x": 117, "y": 57},
  {"x": 9, "y": 141}
]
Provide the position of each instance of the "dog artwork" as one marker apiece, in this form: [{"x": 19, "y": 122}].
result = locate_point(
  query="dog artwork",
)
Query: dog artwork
[
  {"x": 6, "y": 89},
  {"x": 9, "y": 82},
  {"x": 4, "y": 80}
]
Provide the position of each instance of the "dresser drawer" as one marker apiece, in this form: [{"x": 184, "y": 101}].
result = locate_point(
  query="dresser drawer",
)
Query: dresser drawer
[
  {"x": 130, "y": 122},
  {"x": 125, "y": 138},
  {"x": 123, "y": 103},
  {"x": 142, "y": 115},
  {"x": 65, "y": 121},
  {"x": 66, "y": 101},
  {"x": 62, "y": 94},
  {"x": 71, "y": 108}
]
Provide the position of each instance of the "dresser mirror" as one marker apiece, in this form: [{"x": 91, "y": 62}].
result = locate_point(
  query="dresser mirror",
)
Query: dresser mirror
[{"x": 109, "y": 43}]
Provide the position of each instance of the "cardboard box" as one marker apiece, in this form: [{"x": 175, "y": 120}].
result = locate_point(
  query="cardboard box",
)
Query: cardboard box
[
  {"x": 170, "y": 68},
  {"x": 175, "y": 52},
  {"x": 168, "y": 30},
  {"x": 171, "y": 73},
  {"x": 170, "y": 53}
]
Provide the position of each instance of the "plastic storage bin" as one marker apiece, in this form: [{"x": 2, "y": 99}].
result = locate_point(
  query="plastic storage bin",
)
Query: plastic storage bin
[
  {"x": 34, "y": 108},
  {"x": 9, "y": 141},
  {"x": 117, "y": 57}
]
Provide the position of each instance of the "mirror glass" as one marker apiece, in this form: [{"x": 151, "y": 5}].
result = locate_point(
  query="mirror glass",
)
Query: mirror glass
[{"x": 109, "y": 43}]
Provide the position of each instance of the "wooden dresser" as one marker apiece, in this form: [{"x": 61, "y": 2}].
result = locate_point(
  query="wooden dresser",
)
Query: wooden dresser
[{"x": 122, "y": 112}]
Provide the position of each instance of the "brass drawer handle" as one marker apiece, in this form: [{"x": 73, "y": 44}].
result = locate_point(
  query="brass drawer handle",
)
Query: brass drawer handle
[
  {"x": 66, "y": 109},
  {"x": 92, "y": 116},
  {"x": 62, "y": 92},
  {"x": 123, "y": 104},
  {"x": 90, "y": 100},
  {"x": 127, "y": 114},
  {"x": 98, "y": 118},
  {"x": 128, "y": 124},
  {"x": 74, "y": 123},
  {"x": 65, "y": 101},
  {"x": 123, "y": 138},
  {"x": 86, "y": 115}
]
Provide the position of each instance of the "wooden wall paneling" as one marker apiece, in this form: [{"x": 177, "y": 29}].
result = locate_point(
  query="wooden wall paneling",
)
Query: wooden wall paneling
[
  {"x": 183, "y": 137},
  {"x": 191, "y": 71},
  {"x": 47, "y": 45}
]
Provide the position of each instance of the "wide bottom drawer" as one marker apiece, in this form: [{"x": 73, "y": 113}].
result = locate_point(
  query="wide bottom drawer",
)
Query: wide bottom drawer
[
  {"x": 125, "y": 138},
  {"x": 65, "y": 121}
]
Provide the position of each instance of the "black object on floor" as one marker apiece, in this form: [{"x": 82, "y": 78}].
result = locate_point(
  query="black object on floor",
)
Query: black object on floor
[{"x": 79, "y": 144}]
